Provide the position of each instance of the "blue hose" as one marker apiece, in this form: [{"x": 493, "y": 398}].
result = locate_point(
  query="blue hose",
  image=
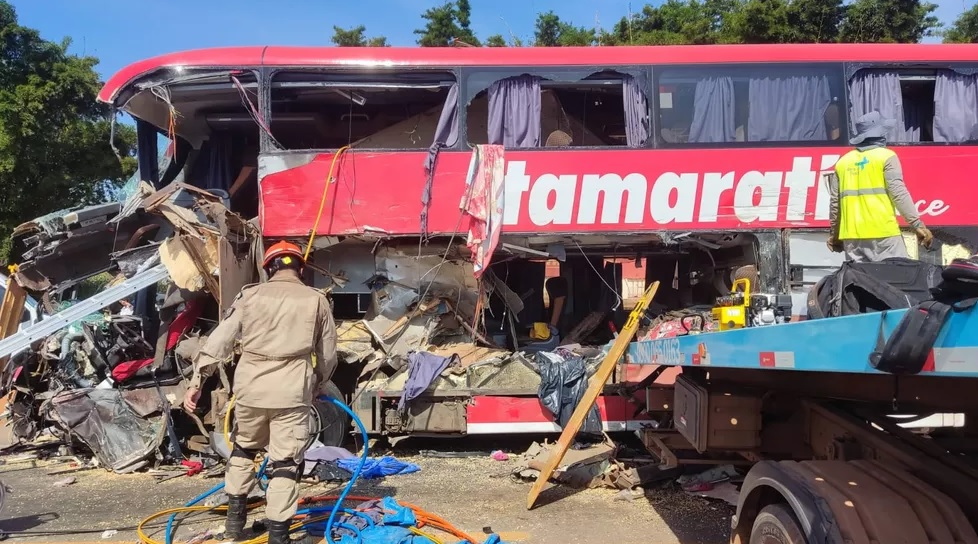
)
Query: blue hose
[
  {"x": 355, "y": 513},
  {"x": 356, "y": 472},
  {"x": 208, "y": 493},
  {"x": 339, "y": 502}
]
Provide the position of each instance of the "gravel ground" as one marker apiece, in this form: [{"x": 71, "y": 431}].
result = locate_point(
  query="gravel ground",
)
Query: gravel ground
[{"x": 475, "y": 493}]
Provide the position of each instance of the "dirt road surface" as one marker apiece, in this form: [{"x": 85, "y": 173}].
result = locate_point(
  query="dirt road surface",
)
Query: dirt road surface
[{"x": 475, "y": 493}]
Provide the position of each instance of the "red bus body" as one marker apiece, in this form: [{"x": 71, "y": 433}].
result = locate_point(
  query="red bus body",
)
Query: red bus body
[
  {"x": 687, "y": 189},
  {"x": 611, "y": 190}
]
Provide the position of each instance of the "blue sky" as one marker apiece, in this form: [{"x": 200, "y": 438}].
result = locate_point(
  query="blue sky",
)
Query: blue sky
[{"x": 123, "y": 31}]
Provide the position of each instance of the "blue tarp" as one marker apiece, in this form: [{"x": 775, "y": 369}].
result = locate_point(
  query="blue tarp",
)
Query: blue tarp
[{"x": 379, "y": 468}]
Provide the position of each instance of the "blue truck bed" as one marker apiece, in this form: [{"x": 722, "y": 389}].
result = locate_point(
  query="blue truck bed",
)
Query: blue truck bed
[{"x": 838, "y": 344}]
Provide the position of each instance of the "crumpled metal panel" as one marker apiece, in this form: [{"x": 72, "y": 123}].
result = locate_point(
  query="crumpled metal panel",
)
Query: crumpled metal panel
[{"x": 122, "y": 428}]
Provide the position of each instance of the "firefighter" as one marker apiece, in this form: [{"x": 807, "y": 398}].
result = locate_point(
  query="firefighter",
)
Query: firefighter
[
  {"x": 869, "y": 189},
  {"x": 281, "y": 325}
]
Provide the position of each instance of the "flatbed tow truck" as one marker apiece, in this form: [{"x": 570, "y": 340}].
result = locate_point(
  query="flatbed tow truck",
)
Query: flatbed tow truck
[{"x": 802, "y": 401}]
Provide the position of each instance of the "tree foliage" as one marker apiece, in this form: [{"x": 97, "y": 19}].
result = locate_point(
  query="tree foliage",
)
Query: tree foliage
[
  {"x": 697, "y": 22},
  {"x": 496, "y": 40},
  {"x": 965, "y": 28},
  {"x": 54, "y": 135},
  {"x": 448, "y": 24},
  {"x": 551, "y": 32},
  {"x": 888, "y": 21},
  {"x": 356, "y": 37}
]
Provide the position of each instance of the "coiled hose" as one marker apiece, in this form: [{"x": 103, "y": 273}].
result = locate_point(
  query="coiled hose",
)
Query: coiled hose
[
  {"x": 191, "y": 506},
  {"x": 317, "y": 514}
]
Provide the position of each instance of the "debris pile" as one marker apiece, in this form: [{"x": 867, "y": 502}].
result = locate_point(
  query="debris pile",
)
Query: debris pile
[{"x": 107, "y": 382}]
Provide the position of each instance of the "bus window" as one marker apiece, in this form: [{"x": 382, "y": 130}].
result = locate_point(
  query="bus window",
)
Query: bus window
[
  {"x": 529, "y": 111},
  {"x": 750, "y": 104},
  {"x": 929, "y": 105},
  {"x": 364, "y": 110}
]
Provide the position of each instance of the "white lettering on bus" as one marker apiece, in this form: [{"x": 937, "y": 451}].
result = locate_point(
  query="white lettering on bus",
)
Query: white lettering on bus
[{"x": 674, "y": 197}]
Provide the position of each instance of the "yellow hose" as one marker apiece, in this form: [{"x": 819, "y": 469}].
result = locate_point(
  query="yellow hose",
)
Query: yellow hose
[
  {"x": 430, "y": 537},
  {"x": 227, "y": 423},
  {"x": 322, "y": 203}
]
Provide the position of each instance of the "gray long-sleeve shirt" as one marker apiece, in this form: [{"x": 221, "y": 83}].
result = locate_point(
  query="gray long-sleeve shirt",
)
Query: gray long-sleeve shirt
[{"x": 896, "y": 189}]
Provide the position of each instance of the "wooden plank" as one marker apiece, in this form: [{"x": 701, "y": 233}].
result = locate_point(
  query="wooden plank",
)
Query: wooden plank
[
  {"x": 12, "y": 308},
  {"x": 11, "y": 312},
  {"x": 595, "y": 387}
]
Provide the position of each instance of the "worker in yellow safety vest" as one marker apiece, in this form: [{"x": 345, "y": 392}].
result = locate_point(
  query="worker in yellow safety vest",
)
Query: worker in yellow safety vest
[{"x": 867, "y": 192}]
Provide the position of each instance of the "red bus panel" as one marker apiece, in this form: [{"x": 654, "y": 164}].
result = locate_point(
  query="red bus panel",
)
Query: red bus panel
[{"x": 603, "y": 190}]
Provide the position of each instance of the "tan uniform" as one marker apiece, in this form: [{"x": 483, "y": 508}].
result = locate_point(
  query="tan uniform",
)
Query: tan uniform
[{"x": 280, "y": 325}]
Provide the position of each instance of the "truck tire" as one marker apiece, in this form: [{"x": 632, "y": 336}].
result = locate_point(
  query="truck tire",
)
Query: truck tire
[
  {"x": 334, "y": 423},
  {"x": 775, "y": 524}
]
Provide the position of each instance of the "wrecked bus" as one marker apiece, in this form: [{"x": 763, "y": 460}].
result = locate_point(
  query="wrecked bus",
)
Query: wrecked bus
[{"x": 616, "y": 167}]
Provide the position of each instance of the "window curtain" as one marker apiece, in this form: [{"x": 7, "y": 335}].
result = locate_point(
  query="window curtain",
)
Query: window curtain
[
  {"x": 880, "y": 91},
  {"x": 637, "y": 125},
  {"x": 788, "y": 109},
  {"x": 147, "y": 153},
  {"x": 446, "y": 133},
  {"x": 219, "y": 164},
  {"x": 514, "y": 112},
  {"x": 713, "y": 111},
  {"x": 955, "y": 107}
]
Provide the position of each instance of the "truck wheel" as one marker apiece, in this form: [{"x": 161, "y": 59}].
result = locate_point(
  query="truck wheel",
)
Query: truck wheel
[
  {"x": 334, "y": 423},
  {"x": 775, "y": 524}
]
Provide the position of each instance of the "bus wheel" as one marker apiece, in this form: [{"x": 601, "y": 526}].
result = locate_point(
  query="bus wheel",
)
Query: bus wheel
[
  {"x": 333, "y": 422},
  {"x": 775, "y": 524}
]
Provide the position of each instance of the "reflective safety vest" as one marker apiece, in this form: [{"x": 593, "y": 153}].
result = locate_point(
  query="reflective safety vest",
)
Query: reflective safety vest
[{"x": 865, "y": 209}]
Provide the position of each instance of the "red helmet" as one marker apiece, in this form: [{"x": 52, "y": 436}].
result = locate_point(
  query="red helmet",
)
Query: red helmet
[{"x": 281, "y": 249}]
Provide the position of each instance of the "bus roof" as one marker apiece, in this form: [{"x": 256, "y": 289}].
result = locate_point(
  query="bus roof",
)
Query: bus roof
[{"x": 253, "y": 56}]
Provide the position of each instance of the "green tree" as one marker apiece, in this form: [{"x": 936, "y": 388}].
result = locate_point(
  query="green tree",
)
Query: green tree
[
  {"x": 547, "y": 30},
  {"x": 447, "y": 24},
  {"x": 496, "y": 40},
  {"x": 54, "y": 135},
  {"x": 356, "y": 37},
  {"x": 463, "y": 14},
  {"x": 892, "y": 21},
  {"x": 552, "y": 32},
  {"x": 814, "y": 21},
  {"x": 965, "y": 28},
  {"x": 761, "y": 21},
  {"x": 672, "y": 22}
]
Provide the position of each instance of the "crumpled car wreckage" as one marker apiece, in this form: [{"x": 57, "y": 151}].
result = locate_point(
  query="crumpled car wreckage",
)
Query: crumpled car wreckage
[{"x": 108, "y": 381}]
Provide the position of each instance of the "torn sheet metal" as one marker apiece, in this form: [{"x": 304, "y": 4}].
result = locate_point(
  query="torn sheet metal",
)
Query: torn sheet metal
[
  {"x": 54, "y": 251},
  {"x": 234, "y": 273},
  {"x": 123, "y": 428},
  {"x": 483, "y": 203},
  {"x": 133, "y": 261},
  {"x": 494, "y": 285},
  {"x": 432, "y": 272}
]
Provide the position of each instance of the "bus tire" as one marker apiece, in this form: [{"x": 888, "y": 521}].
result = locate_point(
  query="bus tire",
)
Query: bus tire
[
  {"x": 334, "y": 422},
  {"x": 775, "y": 524}
]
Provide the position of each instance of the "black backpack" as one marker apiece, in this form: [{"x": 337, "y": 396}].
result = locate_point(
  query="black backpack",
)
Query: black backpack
[
  {"x": 865, "y": 287},
  {"x": 910, "y": 345}
]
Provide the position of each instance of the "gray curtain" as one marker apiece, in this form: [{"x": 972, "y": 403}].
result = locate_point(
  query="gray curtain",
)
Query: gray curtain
[
  {"x": 147, "y": 153},
  {"x": 955, "y": 106},
  {"x": 446, "y": 133},
  {"x": 637, "y": 126},
  {"x": 713, "y": 111},
  {"x": 514, "y": 112},
  {"x": 219, "y": 174},
  {"x": 880, "y": 91},
  {"x": 788, "y": 109}
]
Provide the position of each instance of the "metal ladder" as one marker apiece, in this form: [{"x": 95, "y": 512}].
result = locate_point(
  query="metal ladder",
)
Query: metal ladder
[{"x": 50, "y": 325}]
